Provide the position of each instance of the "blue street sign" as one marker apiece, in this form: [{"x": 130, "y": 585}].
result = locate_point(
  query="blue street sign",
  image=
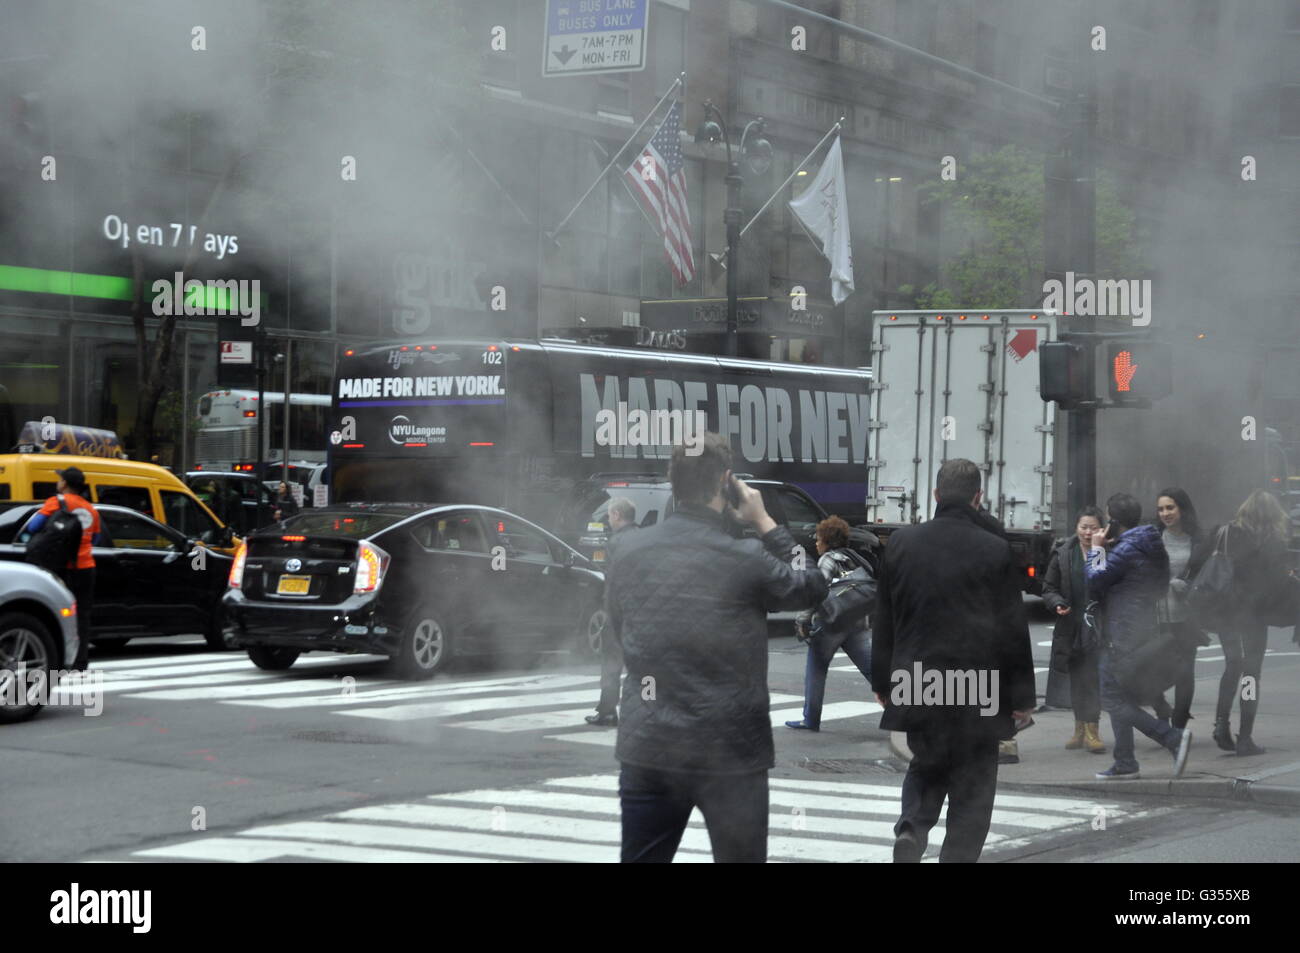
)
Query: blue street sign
[{"x": 595, "y": 36}]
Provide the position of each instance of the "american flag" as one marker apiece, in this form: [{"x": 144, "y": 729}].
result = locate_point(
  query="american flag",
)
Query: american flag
[{"x": 658, "y": 180}]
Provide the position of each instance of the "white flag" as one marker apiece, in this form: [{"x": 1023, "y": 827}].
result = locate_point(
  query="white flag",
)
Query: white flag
[{"x": 823, "y": 209}]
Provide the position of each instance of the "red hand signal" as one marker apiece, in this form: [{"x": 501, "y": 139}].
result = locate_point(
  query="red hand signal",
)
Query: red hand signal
[{"x": 1124, "y": 370}]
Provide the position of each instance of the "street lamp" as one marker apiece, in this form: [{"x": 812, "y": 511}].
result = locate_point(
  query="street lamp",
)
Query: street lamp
[{"x": 758, "y": 155}]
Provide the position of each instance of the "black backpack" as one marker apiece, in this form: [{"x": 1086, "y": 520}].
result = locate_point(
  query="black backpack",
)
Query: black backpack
[
  {"x": 852, "y": 593},
  {"x": 55, "y": 544}
]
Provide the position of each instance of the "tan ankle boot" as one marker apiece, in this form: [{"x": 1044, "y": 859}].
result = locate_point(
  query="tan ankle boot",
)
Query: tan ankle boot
[
  {"x": 1092, "y": 739},
  {"x": 1076, "y": 739}
]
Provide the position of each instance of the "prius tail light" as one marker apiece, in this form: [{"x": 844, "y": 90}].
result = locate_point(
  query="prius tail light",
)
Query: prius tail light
[
  {"x": 372, "y": 563},
  {"x": 237, "y": 567}
]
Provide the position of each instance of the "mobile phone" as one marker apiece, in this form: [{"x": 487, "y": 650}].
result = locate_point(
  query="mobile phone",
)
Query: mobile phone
[
  {"x": 731, "y": 494},
  {"x": 1112, "y": 531}
]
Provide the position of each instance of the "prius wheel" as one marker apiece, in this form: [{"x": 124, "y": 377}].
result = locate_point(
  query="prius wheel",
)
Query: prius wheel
[
  {"x": 425, "y": 647},
  {"x": 25, "y": 646},
  {"x": 592, "y": 628},
  {"x": 272, "y": 658}
]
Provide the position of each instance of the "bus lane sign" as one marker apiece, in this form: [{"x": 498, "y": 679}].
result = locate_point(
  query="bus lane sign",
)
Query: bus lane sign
[{"x": 595, "y": 36}]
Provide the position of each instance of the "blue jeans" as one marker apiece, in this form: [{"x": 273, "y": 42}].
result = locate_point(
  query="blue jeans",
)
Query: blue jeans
[
  {"x": 1125, "y": 715},
  {"x": 822, "y": 647}
]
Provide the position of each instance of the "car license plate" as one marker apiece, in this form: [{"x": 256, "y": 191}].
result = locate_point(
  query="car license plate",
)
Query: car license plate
[{"x": 294, "y": 585}]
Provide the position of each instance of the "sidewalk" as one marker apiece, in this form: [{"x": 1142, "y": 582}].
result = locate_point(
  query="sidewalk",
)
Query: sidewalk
[{"x": 1271, "y": 778}]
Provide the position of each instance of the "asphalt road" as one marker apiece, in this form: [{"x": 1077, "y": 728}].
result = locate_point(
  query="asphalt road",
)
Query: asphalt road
[{"x": 200, "y": 756}]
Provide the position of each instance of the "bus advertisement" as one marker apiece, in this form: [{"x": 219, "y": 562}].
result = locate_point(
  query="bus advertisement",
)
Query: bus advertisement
[{"x": 519, "y": 424}]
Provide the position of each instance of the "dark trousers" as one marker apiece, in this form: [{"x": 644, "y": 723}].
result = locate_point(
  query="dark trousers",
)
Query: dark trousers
[
  {"x": 1184, "y": 675},
  {"x": 1125, "y": 715},
  {"x": 1243, "y": 655},
  {"x": 822, "y": 647},
  {"x": 964, "y": 769},
  {"x": 656, "y": 806},
  {"x": 81, "y": 583},
  {"x": 611, "y": 670},
  {"x": 1085, "y": 688}
]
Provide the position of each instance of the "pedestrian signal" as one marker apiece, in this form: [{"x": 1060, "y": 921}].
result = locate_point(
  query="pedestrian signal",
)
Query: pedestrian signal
[{"x": 1138, "y": 370}]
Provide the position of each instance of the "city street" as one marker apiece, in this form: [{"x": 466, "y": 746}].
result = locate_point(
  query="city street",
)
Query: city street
[{"x": 200, "y": 756}]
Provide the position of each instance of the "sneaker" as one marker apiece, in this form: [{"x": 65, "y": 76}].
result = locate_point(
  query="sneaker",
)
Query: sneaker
[
  {"x": 602, "y": 721},
  {"x": 1113, "y": 773},
  {"x": 907, "y": 850},
  {"x": 1180, "y": 755},
  {"x": 801, "y": 724}
]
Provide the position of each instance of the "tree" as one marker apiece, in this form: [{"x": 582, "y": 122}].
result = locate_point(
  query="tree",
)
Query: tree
[{"x": 992, "y": 217}]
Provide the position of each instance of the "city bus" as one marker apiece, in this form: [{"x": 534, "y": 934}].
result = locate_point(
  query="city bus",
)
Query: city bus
[
  {"x": 520, "y": 424},
  {"x": 227, "y": 432}
]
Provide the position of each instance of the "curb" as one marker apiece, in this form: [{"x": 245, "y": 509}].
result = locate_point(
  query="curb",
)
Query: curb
[{"x": 1232, "y": 789}]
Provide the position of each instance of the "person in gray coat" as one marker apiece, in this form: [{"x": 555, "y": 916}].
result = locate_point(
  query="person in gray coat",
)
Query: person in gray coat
[{"x": 690, "y": 604}]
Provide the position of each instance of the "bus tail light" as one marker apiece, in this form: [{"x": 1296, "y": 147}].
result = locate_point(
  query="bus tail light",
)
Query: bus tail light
[
  {"x": 372, "y": 563},
  {"x": 237, "y": 567}
]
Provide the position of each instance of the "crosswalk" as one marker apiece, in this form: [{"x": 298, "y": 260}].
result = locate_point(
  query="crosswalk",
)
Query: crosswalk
[
  {"x": 576, "y": 820},
  {"x": 356, "y": 687}
]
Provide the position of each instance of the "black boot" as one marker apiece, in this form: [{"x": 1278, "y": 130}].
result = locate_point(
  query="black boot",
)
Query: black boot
[
  {"x": 1223, "y": 735},
  {"x": 1246, "y": 747}
]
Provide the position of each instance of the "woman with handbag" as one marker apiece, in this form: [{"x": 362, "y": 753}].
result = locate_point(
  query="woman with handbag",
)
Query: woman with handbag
[
  {"x": 1065, "y": 593},
  {"x": 1188, "y": 548},
  {"x": 1256, "y": 542},
  {"x": 836, "y": 561}
]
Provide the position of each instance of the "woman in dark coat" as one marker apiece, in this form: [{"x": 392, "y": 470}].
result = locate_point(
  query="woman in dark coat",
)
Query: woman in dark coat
[
  {"x": 1257, "y": 545},
  {"x": 1065, "y": 593},
  {"x": 1188, "y": 547}
]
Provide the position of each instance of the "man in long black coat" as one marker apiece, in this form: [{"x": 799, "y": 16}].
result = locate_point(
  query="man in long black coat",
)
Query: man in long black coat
[{"x": 952, "y": 664}]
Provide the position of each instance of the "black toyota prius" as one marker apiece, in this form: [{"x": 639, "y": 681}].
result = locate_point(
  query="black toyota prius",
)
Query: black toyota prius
[{"x": 419, "y": 583}]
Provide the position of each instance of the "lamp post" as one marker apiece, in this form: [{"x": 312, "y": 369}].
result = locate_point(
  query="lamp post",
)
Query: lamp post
[{"x": 759, "y": 156}]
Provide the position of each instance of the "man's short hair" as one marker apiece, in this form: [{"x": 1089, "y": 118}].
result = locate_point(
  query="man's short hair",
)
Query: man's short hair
[
  {"x": 833, "y": 532},
  {"x": 695, "y": 478},
  {"x": 624, "y": 508},
  {"x": 1124, "y": 509},
  {"x": 958, "y": 481}
]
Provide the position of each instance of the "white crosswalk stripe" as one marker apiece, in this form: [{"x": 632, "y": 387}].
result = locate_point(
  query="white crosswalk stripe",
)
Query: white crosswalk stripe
[
  {"x": 576, "y": 819},
  {"x": 543, "y": 702}
]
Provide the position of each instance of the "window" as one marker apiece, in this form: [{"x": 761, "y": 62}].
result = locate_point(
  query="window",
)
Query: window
[
  {"x": 133, "y": 497},
  {"x": 43, "y": 491},
  {"x": 185, "y": 515},
  {"x": 131, "y": 532},
  {"x": 799, "y": 512},
  {"x": 521, "y": 540},
  {"x": 453, "y": 532}
]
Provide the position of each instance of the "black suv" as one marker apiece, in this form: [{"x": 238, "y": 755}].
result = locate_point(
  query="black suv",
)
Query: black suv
[{"x": 584, "y": 518}]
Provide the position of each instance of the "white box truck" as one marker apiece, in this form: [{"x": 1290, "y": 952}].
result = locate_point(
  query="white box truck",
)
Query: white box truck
[{"x": 949, "y": 384}]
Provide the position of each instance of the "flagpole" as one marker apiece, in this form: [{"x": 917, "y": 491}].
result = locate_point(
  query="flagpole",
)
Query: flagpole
[
  {"x": 614, "y": 159},
  {"x": 791, "y": 178}
]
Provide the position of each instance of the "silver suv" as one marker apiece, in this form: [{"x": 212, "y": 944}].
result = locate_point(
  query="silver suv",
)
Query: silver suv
[{"x": 38, "y": 632}]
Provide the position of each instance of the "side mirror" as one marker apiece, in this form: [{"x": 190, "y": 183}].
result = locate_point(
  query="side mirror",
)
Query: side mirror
[
  {"x": 568, "y": 559},
  {"x": 228, "y": 536}
]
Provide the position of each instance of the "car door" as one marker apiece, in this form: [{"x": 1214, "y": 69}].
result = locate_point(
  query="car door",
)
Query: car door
[
  {"x": 163, "y": 590},
  {"x": 448, "y": 566},
  {"x": 534, "y": 588}
]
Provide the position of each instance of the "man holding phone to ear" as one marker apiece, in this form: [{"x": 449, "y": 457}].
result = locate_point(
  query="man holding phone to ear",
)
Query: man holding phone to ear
[{"x": 691, "y": 603}]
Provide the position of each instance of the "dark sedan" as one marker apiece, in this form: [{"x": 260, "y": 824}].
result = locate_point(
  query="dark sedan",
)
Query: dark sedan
[
  {"x": 149, "y": 578},
  {"x": 419, "y": 583}
]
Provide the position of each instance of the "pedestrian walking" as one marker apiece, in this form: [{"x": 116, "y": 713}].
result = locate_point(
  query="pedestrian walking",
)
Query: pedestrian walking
[
  {"x": 690, "y": 604},
  {"x": 1075, "y": 651},
  {"x": 622, "y": 519},
  {"x": 1188, "y": 546},
  {"x": 78, "y": 575},
  {"x": 949, "y": 607},
  {"x": 835, "y": 560},
  {"x": 1128, "y": 572},
  {"x": 1256, "y": 541}
]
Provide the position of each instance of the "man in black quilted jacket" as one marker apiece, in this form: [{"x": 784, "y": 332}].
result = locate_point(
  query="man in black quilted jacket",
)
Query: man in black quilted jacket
[{"x": 691, "y": 602}]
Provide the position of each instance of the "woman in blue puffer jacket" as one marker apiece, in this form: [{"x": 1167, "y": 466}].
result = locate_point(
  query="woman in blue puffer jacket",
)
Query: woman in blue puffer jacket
[{"x": 1128, "y": 572}]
